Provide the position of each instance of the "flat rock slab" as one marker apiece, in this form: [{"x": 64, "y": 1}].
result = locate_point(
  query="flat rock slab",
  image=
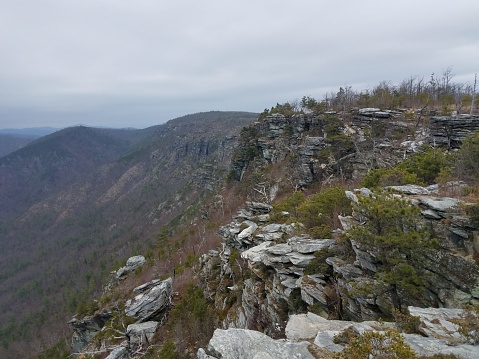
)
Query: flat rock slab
[
  {"x": 441, "y": 204},
  {"x": 249, "y": 344}
]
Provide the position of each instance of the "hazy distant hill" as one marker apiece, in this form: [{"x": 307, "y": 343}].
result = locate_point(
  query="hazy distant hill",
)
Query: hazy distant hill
[
  {"x": 10, "y": 143},
  {"x": 76, "y": 202},
  {"x": 32, "y": 132}
]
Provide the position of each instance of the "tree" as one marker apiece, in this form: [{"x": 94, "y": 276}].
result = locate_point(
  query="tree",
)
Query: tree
[
  {"x": 393, "y": 233},
  {"x": 466, "y": 160}
]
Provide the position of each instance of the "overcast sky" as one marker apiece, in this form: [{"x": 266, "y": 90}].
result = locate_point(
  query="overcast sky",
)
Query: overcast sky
[{"x": 139, "y": 63}]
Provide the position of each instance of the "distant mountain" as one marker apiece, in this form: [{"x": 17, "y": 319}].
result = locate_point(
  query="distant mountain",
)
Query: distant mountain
[
  {"x": 77, "y": 202},
  {"x": 10, "y": 143},
  {"x": 12, "y": 139},
  {"x": 32, "y": 132}
]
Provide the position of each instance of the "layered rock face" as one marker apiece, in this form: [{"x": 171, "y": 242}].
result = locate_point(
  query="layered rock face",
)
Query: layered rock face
[
  {"x": 276, "y": 137},
  {"x": 371, "y": 139},
  {"x": 449, "y": 132}
]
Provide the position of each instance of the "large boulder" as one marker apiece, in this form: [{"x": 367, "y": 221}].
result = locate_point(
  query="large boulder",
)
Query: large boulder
[
  {"x": 131, "y": 264},
  {"x": 141, "y": 333},
  {"x": 249, "y": 344},
  {"x": 152, "y": 302}
]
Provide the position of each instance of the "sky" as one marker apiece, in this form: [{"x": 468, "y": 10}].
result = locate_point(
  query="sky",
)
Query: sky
[{"x": 120, "y": 63}]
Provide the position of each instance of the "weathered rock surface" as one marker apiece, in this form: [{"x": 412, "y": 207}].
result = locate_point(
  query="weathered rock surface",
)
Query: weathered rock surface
[
  {"x": 118, "y": 353},
  {"x": 249, "y": 344},
  {"x": 85, "y": 329},
  {"x": 448, "y": 131},
  {"x": 131, "y": 264},
  {"x": 141, "y": 333},
  {"x": 151, "y": 302}
]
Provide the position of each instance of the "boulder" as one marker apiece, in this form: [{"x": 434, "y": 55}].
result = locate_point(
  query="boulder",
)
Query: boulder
[
  {"x": 142, "y": 332},
  {"x": 131, "y": 264},
  {"x": 410, "y": 189},
  {"x": 250, "y": 344},
  {"x": 118, "y": 353},
  {"x": 428, "y": 346},
  {"x": 151, "y": 303},
  {"x": 440, "y": 204}
]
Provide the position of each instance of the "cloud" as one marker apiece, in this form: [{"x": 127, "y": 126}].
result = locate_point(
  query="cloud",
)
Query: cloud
[{"x": 108, "y": 62}]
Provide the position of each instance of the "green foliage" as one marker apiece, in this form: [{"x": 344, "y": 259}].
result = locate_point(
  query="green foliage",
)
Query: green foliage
[
  {"x": 60, "y": 350},
  {"x": 318, "y": 264},
  {"x": 322, "y": 209},
  {"x": 193, "y": 305},
  {"x": 473, "y": 212},
  {"x": 289, "y": 204},
  {"x": 387, "y": 345},
  {"x": 426, "y": 165},
  {"x": 168, "y": 351},
  {"x": 392, "y": 232},
  {"x": 422, "y": 168},
  {"x": 466, "y": 160},
  {"x": 381, "y": 177},
  {"x": 469, "y": 325},
  {"x": 407, "y": 323}
]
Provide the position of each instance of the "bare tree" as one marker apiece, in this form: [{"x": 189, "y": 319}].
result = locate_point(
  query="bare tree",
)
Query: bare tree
[{"x": 473, "y": 93}]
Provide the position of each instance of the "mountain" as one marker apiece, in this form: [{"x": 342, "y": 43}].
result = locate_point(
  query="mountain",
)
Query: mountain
[
  {"x": 307, "y": 253},
  {"x": 11, "y": 143},
  {"x": 77, "y": 201},
  {"x": 32, "y": 132}
]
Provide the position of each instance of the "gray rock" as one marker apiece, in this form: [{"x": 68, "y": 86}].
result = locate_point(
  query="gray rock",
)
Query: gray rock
[
  {"x": 325, "y": 339},
  {"x": 347, "y": 222},
  {"x": 436, "y": 322},
  {"x": 429, "y": 346},
  {"x": 202, "y": 355},
  {"x": 351, "y": 196},
  {"x": 256, "y": 254},
  {"x": 248, "y": 232},
  {"x": 409, "y": 189},
  {"x": 430, "y": 214},
  {"x": 141, "y": 333},
  {"x": 274, "y": 227},
  {"x": 85, "y": 329},
  {"x": 249, "y": 344},
  {"x": 365, "y": 192},
  {"x": 152, "y": 303},
  {"x": 307, "y": 326},
  {"x": 118, "y": 353},
  {"x": 131, "y": 264},
  {"x": 306, "y": 246},
  {"x": 279, "y": 249},
  {"x": 312, "y": 289},
  {"x": 347, "y": 270},
  {"x": 298, "y": 259},
  {"x": 441, "y": 204}
]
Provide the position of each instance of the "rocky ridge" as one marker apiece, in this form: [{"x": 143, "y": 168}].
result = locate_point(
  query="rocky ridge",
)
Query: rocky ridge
[{"x": 258, "y": 278}]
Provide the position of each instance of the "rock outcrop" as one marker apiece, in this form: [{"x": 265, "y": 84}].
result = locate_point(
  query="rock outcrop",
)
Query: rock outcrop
[
  {"x": 309, "y": 333},
  {"x": 85, "y": 329},
  {"x": 449, "y": 131},
  {"x": 152, "y": 300},
  {"x": 259, "y": 277},
  {"x": 243, "y": 344},
  {"x": 131, "y": 264}
]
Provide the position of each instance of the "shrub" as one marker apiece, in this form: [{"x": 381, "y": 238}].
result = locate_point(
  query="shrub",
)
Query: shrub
[{"x": 387, "y": 345}]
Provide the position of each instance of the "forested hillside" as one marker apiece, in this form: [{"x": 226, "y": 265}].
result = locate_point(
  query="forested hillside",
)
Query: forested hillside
[{"x": 77, "y": 202}]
